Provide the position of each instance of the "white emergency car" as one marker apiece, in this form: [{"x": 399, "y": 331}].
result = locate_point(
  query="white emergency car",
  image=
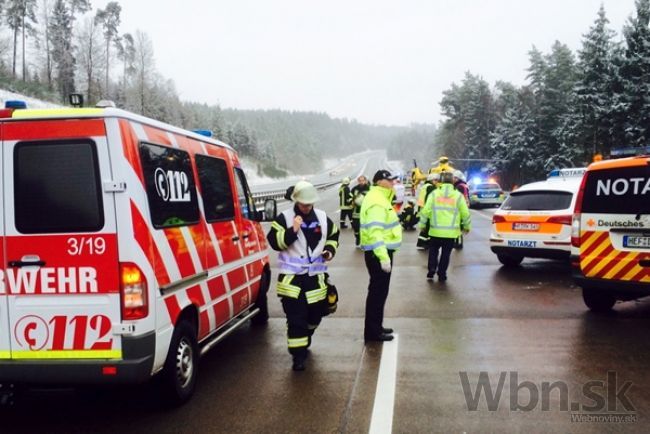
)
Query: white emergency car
[{"x": 535, "y": 220}]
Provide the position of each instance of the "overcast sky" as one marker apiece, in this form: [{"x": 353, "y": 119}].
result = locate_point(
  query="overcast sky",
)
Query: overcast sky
[{"x": 378, "y": 61}]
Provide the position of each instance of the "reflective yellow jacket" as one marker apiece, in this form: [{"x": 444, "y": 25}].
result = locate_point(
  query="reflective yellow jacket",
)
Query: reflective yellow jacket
[
  {"x": 447, "y": 213},
  {"x": 380, "y": 227}
]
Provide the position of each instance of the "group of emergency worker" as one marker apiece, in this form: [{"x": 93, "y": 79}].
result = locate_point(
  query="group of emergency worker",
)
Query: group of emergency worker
[{"x": 308, "y": 239}]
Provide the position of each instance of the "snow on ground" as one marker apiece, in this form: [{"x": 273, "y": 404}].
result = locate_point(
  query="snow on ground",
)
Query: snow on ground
[{"x": 6, "y": 95}]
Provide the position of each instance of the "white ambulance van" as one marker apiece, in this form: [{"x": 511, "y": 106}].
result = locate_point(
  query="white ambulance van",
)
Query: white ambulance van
[{"x": 128, "y": 248}]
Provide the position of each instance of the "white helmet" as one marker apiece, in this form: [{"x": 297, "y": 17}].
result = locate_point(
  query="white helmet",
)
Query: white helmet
[
  {"x": 458, "y": 174},
  {"x": 345, "y": 180},
  {"x": 305, "y": 193},
  {"x": 431, "y": 177}
]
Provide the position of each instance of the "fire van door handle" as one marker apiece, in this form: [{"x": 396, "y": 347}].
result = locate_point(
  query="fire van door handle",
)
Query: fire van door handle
[
  {"x": 235, "y": 238},
  {"x": 18, "y": 264},
  {"x": 246, "y": 235},
  {"x": 644, "y": 263}
]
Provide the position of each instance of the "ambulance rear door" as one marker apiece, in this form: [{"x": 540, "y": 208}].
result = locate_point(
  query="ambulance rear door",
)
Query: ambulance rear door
[
  {"x": 61, "y": 260},
  {"x": 615, "y": 221},
  {"x": 5, "y": 349}
]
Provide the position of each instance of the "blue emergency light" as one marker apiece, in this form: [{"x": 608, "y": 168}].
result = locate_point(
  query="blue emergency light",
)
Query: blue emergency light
[
  {"x": 15, "y": 104},
  {"x": 206, "y": 133}
]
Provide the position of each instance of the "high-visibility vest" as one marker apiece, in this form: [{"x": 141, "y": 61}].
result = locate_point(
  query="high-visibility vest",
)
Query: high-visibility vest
[
  {"x": 298, "y": 258},
  {"x": 380, "y": 229},
  {"x": 446, "y": 211}
]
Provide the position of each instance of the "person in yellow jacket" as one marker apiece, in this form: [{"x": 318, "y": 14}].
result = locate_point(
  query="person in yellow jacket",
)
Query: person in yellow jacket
[
  {"x": 443, "y": 166},
  {"x": 448, "y": 216},
  {"x": 381, "y": 237}
]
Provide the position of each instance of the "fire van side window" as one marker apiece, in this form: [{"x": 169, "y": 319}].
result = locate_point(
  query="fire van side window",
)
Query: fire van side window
[
  {"x": 246, "y": 202},
  {"x": 57, "y": 187},
  {"x": 216, "y": 189},
  {"x": 170, "y": 186}
]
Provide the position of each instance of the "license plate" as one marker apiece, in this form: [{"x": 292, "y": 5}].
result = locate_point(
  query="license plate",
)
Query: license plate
[
  {"x": 489, "y": 195},
  {"x": 636, "y": 242},
  {"x": 525, "y": 226},
  {"x": 522, "y": 244}
]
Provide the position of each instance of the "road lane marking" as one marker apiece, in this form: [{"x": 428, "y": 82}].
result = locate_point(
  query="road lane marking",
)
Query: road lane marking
[{"x": 381, "y": 421}]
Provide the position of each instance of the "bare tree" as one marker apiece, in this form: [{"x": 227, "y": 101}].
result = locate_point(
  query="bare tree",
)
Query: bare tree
[
  {"x": 21, "y": 17},
  {"x": 90, "y": 58},
  {"x": 109, "y": 19}
]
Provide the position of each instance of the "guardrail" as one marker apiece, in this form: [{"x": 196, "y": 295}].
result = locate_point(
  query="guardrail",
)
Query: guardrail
[{"x": 260, "y": 196}]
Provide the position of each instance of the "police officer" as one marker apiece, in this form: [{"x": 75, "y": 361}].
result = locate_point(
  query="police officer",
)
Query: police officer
[
  {"x": 359, "y": 191},
  {"x": 345, "y": 202},
  {"x": 448, "y": 216},
  {"x": 307, "y": 240},
  {"x": 381, "y": 237}
]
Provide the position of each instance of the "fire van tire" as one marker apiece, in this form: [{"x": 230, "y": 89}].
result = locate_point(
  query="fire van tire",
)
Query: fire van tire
[
  {"x": 598, "y": 301},
  {"x": 509, "y": 260},
  {"x": 181, "y": 366},
  {"x": 262, "y": 302}
]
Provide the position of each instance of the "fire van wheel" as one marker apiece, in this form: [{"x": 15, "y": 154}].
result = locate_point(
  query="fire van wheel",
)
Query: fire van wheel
[
  {"x": 181, "y": 366},
  {"x": 598, "y": 301},
  {"x": 510, "y": 260}
]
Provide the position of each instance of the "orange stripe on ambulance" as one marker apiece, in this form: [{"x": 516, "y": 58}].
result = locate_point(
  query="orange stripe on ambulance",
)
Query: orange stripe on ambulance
[{"x": 49, "y": 280}]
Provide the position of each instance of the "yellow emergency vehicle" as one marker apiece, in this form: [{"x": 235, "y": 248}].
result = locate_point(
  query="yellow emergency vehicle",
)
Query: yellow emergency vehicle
[{"x": 611, "y": 232}]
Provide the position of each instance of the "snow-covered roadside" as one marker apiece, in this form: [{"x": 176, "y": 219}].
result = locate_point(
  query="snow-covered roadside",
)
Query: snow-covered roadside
[{"x": 6, "y": 95}]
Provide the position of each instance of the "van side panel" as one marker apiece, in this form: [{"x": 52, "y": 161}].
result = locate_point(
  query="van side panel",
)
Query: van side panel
[
  {"x": 5, "y": 349},
  {"x": 210, "y": 253}
]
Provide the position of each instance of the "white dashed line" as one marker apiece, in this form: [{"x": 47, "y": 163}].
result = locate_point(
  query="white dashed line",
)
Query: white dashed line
[{"x": 381, "y": 421}]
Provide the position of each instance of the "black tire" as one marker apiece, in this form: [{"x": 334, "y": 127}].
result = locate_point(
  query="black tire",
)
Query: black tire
[
  {"x": 181, "y": 366},
  {"x": 262, "y": 302},
  {"x": 598, "y": 301},
  {"x": 510, "y": 260}
]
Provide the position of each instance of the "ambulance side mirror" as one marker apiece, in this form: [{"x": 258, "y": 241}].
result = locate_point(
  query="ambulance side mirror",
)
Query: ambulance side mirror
[{"x": 270, "y": 210}]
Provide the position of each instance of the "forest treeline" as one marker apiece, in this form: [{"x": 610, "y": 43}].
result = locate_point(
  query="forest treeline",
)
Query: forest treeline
[
  {"x": 52, "y": 48},
  {"x": 573, "y": 107}
]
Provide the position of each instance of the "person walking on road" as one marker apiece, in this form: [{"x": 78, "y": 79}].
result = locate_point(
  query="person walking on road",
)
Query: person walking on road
[
  {"x": 461, "y": 186},
  {"x": 359, "y": 192},
  {"x": 381, "y": 237},
  {"x": 345, "y": 202},
  {"x": 307, "y": 240},
  {"x": 448, "y": 216}
]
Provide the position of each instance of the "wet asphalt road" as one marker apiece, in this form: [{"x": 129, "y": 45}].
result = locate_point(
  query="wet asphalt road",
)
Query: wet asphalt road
[{"x": 529, "y": 323}]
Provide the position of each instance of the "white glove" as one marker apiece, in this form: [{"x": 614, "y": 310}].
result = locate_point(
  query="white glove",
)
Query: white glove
[{"x": 385, "y": 266}]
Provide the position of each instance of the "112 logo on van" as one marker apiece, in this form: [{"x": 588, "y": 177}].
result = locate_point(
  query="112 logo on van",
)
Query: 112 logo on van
[{"x": 172, "y": 185}]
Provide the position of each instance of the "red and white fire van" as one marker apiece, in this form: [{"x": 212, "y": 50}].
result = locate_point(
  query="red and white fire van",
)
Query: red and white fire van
[{"x": 128, "y": 248}]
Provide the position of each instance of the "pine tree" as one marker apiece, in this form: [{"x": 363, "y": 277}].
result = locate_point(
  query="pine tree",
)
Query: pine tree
[
  {"x": 61, "y": 28},
  {"x": 635, "y": 75},
  {"x": 594, "y": 96}
]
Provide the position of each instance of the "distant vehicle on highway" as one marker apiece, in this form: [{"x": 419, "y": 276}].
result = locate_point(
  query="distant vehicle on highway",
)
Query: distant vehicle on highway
[
  {"x": 535, "y": 220},
  {"x": 485, "y": 194}
]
